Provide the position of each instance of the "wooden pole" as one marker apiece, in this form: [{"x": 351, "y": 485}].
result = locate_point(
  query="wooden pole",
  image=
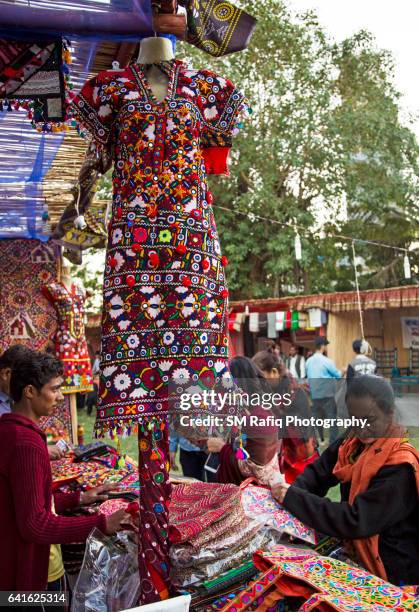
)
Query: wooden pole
[{"x": 73, "y": 414}]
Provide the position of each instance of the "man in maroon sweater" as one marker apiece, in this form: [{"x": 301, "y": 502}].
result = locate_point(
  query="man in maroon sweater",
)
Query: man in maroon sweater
[{"x": 27, "y": 525}]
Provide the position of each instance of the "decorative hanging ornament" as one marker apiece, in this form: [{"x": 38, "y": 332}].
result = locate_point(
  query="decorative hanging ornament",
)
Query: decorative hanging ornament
[
  {"x": 241, "y": 452},
  {"x": 297, "y": 247},
  {"x": 406, "y": 265}
]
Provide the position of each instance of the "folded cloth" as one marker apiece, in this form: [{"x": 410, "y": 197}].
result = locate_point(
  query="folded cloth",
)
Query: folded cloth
[
  {"x": 196, "y": 506},
  {"x": 259, "y": 504},
  {"x": 186, "y": 555}
]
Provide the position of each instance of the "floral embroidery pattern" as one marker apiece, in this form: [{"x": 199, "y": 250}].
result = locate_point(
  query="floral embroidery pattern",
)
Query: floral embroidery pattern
[
  {"x": 70, "y": 339},
  {"x": 165, "y": 293}
]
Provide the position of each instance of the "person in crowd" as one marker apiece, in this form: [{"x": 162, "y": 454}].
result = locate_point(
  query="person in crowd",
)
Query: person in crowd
[
  {"x": 299, "y": 446},
  {"x": 361, "y": 364},
  {"x": 91, "y": 400},
  {"x": 322, "y": 374},
  {"x": 30, "y": 529},
  {"x": 296, "y": 363},
  {"x": 378, "y": 473},
  {"x": 261, "y": 440},
  {"x": 8, "y": 361},
  {"x": 192, "y": 458}
]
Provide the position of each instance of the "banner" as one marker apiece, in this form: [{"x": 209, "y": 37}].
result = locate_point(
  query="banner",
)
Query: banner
[{"x": 410, "y": 331}]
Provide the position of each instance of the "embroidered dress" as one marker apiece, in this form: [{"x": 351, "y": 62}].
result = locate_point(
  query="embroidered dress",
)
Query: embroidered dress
[
  {"x": 165, "y": 297},
  {"x": 70, "y": 339}
]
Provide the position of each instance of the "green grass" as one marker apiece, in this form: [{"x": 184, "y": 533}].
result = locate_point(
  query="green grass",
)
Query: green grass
[{"x": 129, "y": 445}]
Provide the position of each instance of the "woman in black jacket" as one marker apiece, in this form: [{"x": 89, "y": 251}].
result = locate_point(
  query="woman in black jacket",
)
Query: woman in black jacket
[{"x": 378, "y": 472}]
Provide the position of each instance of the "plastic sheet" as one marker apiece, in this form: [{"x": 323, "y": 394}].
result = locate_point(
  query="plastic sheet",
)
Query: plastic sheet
[{"x": 108, "y": 580}]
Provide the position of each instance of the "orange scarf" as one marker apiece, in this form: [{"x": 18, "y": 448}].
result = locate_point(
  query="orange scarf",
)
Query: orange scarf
[{"x": 384, "y": 451}]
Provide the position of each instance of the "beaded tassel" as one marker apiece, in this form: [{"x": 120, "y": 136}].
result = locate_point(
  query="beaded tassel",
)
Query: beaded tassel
[{"x": 241, "y": 452}]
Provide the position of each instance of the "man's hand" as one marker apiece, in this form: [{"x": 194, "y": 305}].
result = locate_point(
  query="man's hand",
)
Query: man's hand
[
  {"x": 97, "y": 494},
  {"x": 279, "y": 491},
  {"x": 214, "y": 445},
  {"x": 173, "y": 463},
  {"x": 55, "y": 453},
  {"x": 116, "y": 521}
]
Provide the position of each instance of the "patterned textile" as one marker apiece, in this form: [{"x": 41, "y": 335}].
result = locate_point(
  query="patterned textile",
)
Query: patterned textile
[
  {"x": 58, "y": 425},
  {"x": 281, "y": 552},
  {"x": 90, "y": 473},
  {"x": 261, "y": 594},
  {"x": 155, "y": 490},
  {"x": 328, "y": 584},
  {"x": 33, "y": 71},
  {"x": 217, "y": 26},
  {"x": 195, "y": 507},
  {"x": 26, "y": 316},
  {"x": 70, "y": 340},
  {"x": 188, "y": 555},
  {"x": 258, "y": 503},
  {"x": 165, "y": 297}
]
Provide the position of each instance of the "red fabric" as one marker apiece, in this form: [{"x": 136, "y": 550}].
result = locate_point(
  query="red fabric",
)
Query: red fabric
[
  {"x": 27, "y": 526},
  {"x": 155, "y": 491},
  {"x": 229, "y": 472},
  {"x": 216, "y": 159},
  {"x": 194, "y": 507},
  {"x": 296, "y": 455}
]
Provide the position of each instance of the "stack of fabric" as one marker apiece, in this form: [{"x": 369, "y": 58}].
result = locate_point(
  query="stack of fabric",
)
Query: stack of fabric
[{"x": 210, "y": 532}]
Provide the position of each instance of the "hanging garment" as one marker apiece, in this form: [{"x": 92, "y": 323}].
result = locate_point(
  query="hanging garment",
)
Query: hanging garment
[
  {"x": 302, "y": 320},
  {"x": 34, "y": 71},
  {"x": 254, "y": 322},
  {"x": 240, "y": 319},
  {"x": 217, "y": 26},
  {"x": 263, "y": 323},
  {"x": 294, "y": 320},
  {"x": 70, "y": 339},
  {"x": 315, "y": 317},
  {"x": 280, "y": 321},
  {"x": 271, "y": 325},
  {"x": 165, "y": 312}
]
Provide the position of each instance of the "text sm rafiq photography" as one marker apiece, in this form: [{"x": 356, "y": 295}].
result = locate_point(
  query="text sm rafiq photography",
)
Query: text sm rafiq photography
[{"x": 208, "y": 409}]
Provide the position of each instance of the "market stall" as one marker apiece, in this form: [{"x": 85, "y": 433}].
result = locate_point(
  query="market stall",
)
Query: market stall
[{"x": 299, "y": 319}]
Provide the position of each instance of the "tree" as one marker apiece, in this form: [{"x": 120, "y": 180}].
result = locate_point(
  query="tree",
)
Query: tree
[
  {"x": 325, "y": 149},
  {"x": 325, "y": 141}
]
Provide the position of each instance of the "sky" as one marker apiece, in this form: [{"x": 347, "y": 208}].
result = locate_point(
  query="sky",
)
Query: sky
[{"x": 393, "y": 23}]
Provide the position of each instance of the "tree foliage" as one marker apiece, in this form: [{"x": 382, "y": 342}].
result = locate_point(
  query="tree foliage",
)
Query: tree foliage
[{"x": 325, "y": 148}]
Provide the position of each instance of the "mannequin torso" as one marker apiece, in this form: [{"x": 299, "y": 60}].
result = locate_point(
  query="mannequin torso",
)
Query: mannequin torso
[{"x": 153, "y": 51}]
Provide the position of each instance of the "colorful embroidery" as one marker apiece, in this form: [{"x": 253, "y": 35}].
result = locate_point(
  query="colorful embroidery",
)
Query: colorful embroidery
[
  {"x": 34, "y": 76},
  {"x": 70, "y": 339},
  {"x": 327, "y": 582},
  {"x": 165, "y": 294},
  {"x": 258, "y": 503},
  {"x": 26, "y": 316},
  {"x": 58, "y": 424},
  {"x": 195, "y": 507}
]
